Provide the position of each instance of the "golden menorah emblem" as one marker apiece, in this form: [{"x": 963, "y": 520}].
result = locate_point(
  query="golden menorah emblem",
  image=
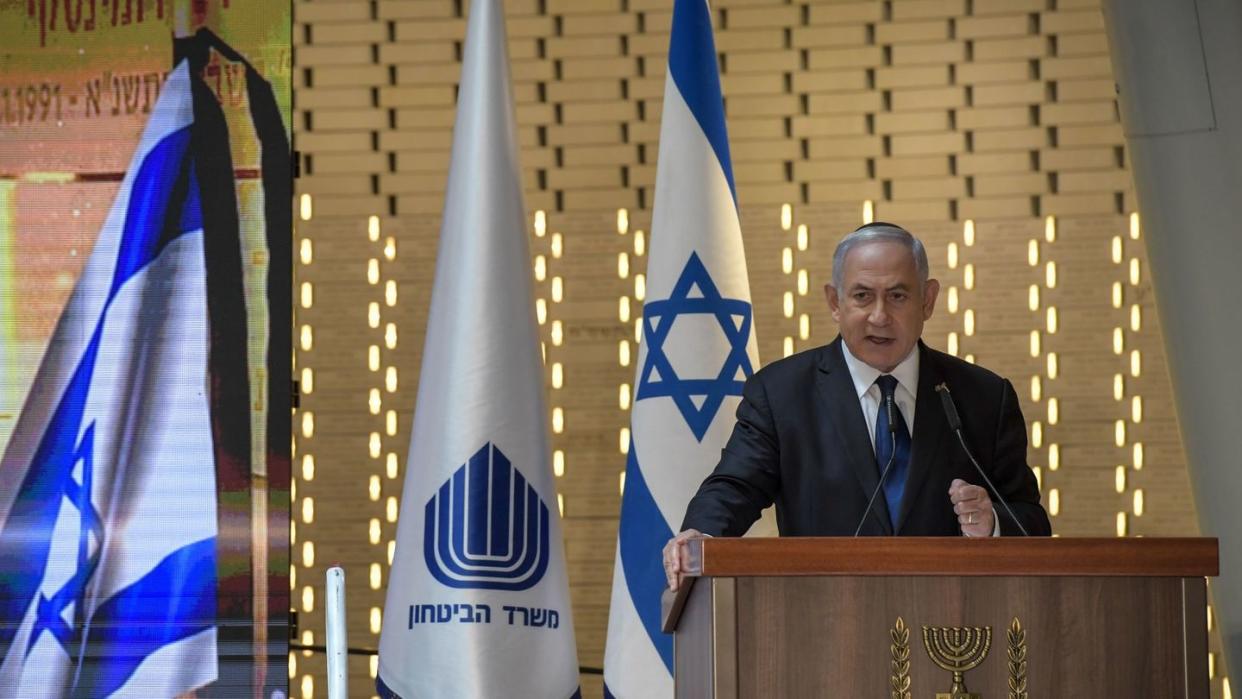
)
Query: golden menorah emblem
[{"x": 957, "y": 649}]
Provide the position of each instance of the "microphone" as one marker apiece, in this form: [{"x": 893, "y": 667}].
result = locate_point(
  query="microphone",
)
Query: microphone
[
  {"x": 955, "y": 424},
  {"x": 892, "y": 456}
]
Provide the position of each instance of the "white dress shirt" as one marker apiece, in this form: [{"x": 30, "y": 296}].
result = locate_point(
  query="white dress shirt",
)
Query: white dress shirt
[{"x": 905, "y": 396}]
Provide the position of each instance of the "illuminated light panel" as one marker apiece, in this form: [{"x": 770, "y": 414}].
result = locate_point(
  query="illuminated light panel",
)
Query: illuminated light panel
[
  {"x": 968, "y": 276},
  {"x": 623, "y": 352},
  {"x": 390, "y": 379},
  {"x": 307, "y": 384},
  {"x": 377, "y": 576},
  {"x": 306, "y": 208},
  {"x": 308, "y": 424},
  {"x": 623, "y": 440},
  {"x": 1119, "y": 387},
  {"x": 373, "y": 488},
  {"x": 557, "y": 246},
  {"x": 308, "y": 467},
  {"x": 968, "y": 232},
  {"x": 373, "y": 314},
  {"x": 373, "y": 531},
  {"x": 1134, "y": 271},
  {"x": 558, "y": 463},
  {"x": 306, "y": 251},
  {"x": 1050, "y": 275},
  {"x": 952, "y": 344},
  {"x": 307, "y": 337},
  {"x": 640, "y": 287},
  {"x": 1119, "y": 479},
  {"x": 1136, "y": 363},
  {"x": 308, "y": 554},
  {"x": 376, "y": 620},
  {"x": 787, "y": 305},
  {"x": 373, "y": 444},
  {"x": 1136, "y": 451},
  {"x": 787, "y": 260},
  {"x": 390, "y": 509},
  {"x": 308, "y": 687},
  {"x": 1032, "y": 297},
  {"x": 621, "y": 483},
  {"x": 541, "y": 268},
  {"x": 786, "y": 216},
  {"x": 952, "y": 255},
  {"x": 541, "y": 223},
  {"x": 623, "y": 265},
  {"x": 804, "y": 238},
  {"x": 1118, "y": 295},
  {"x": 638, "y": 330},
  {"x": 1119, "y": 433},
  {"x": 308, "y": 599},
  {"x": 1054, "y": 456},
  {"x": 1136, "y": 318},
  {"x": 1050, "y": 229},
  {"x": 374, "y": 402},
  {"x": 392, "y": 549},
  {"x": 560, "y": 504},
  {"x": 390, "y": 293},
  {"x": 1138, "y": 502},
  {"x": 1123, "y": 524},
  {"x": 868, "y": 211},
  {"x": 1134, "y": 225},
  {"x": 307, "y": 295},
  {"x": 1117, "y": 250},
  {"x": 1037, "y": 388},
  {"x": 804, "y": 327},
  {"x": 1119, "y": 341},
  {"x": 1052, "y": 365},
  {"x": 373, "y": 357},
  {"x": 308, "y": 510},
  {"x": 788, "y": 346},
  {"x": 804, "y": 283},
  {"x": 390, "y": 336},
  {"x": 558, "y": 374},
  {"x": 968, "y": 322},
  {"x": 558, "y": 332},
  {"x": 970, "y": 358},
  {"x": 558, "y": 420},
  {"x": 390, "y": 248},
  {"x": 952, "y": 299},
  {"x": 541, "y": 310},
  {"x": 1136, "y": 409},
  {"x": 1054, "y": 411},
  {"x": 1037, "y": 434},
  {"x": 623, "y": 309},
  {"x": 1035, "y": 343},
  {"x": 373, "y": 228},
  {"x": 390, "y": 465},
  {"x": 623, "y": 396},
  {"x": 373, "y": 271},
  {"x": 1051, "y": 320},
  {"x": 1032, "y": 252},
  {"x": 623, "y": 221},
  {"x": 640, "y": 243},
  {"x": 1054, "y": 502}
]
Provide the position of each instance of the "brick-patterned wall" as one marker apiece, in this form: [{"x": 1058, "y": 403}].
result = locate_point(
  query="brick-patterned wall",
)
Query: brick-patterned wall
[{"x": 988, "y": 127}]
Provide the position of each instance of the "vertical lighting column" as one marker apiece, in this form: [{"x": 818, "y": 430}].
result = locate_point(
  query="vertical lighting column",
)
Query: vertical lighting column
[
  {"x": 1129, "y": 324},
  {"x": 301, "y": 448},
  {"x": 549, "y": 293},
  {"x": 799, "y": 282},
  {"x": 382, "y": 442},
  {"x": 1042, "y": 347},
  {"x": 629, "y": 310},
  {"x": 955, "y": 298}
]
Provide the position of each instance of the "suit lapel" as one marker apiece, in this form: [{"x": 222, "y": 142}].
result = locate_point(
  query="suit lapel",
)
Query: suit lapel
[
  {"x": 838, "y": 398},
  {"x": 929, "y": 428}
]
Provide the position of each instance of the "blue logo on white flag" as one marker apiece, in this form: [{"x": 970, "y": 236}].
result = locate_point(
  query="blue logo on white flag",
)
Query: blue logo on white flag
[
  {"x": 486, "y": 527},
  {"x": 698, "y": 399}
]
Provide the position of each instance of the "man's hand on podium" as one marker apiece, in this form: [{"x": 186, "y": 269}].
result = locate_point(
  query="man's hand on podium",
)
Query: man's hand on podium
[
  {"x": 675, "y": 556},
  {"x": 974, "y": 510}
]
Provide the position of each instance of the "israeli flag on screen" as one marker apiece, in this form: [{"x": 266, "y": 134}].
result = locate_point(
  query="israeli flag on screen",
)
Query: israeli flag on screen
[
  {"x": 107, "y": 487},
  {"x": 478, "y": 602},
  {"x": 698, "y": 347}
]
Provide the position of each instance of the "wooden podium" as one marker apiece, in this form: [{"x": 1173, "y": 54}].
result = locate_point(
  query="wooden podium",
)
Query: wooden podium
[{"x": 1039, "y": 617}]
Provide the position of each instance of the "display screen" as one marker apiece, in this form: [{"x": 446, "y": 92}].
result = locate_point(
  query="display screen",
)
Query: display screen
[{"x": 144, "y": 347}]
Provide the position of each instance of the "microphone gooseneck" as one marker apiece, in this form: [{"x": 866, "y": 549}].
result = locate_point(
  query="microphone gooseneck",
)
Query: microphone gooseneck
[
  {"x": 892, "y": 457},
  {"x": 955, "y": 424}
]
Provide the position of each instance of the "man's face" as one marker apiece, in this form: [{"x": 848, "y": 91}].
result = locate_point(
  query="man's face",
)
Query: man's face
[{"x": 881, "y": 306}]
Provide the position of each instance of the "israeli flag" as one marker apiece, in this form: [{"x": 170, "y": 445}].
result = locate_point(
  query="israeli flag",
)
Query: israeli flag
[
  {"x": 478, "y": 603},
  {"x": 698, "y": 348},
  {"x": 107, "y": 488}
]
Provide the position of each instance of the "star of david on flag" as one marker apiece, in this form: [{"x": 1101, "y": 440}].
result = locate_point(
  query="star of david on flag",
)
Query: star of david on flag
[{"x": 698, "y": 399}]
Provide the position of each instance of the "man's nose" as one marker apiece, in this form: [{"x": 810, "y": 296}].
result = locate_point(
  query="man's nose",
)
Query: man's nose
[{"x": 879, "y": 314}]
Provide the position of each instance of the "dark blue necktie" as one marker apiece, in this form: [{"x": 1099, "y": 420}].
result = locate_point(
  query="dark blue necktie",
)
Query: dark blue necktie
[{"x": 895, "y": 484}]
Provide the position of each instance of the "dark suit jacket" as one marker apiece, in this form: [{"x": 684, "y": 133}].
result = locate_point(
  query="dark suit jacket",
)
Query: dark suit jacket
[{"x": 801, "y": 441}]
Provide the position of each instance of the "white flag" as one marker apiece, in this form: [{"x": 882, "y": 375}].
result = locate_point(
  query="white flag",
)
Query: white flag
[
  {"x": 478, "y": 603},
  {"x": 698, "y": 348},
  {"x": 107, "y": 487}
]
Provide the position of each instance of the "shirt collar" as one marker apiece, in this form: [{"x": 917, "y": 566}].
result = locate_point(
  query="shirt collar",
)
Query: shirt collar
[{"x": 864, "y": 375}]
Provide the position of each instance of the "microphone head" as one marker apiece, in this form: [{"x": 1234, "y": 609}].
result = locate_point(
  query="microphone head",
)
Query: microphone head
[
  {"x": 890, "y": 408},
  {"x": 950, "y": 410}
]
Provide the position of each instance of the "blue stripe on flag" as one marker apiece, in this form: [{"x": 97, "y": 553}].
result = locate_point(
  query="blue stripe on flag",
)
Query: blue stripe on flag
[
  {"x": 692, "y": 65},
  {"x": 26, "y": 537},
  {"x": 176, "y": 600},
  {"x": 642, "y": 537}
]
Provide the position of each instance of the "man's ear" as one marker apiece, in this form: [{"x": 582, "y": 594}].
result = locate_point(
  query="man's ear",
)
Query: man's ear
[
  {"x": 930, "y": 291},
  {"x": 834, "y": 301}
]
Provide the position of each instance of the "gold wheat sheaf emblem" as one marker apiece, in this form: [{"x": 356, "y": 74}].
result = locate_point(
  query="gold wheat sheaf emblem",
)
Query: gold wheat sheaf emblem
[{"x": 900, "y": 681}]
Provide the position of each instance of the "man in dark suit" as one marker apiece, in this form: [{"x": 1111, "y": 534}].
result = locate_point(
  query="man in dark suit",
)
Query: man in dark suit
[{"x": 814, "y": 431}]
